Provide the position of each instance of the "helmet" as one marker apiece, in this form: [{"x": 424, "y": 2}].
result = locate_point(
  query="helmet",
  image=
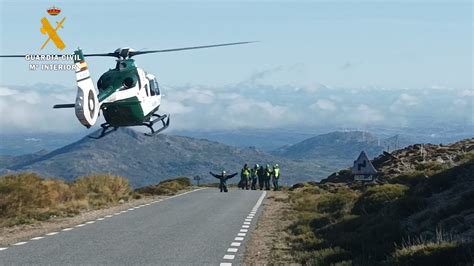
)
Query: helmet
[
  {"x": 223, "y": 172},
  {"x": 276, "y": 166},
  {"x": 268, "y": 166},
  {"x": 256, "y": 165}
]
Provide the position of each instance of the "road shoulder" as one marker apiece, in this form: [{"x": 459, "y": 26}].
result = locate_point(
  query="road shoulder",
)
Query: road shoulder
[{"x": 268, "y": 243}]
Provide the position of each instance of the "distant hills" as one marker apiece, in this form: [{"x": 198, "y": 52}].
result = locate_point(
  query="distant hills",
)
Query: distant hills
[
  {"x": 339, "y": 148},
  {"x": 146, "y": 160}
]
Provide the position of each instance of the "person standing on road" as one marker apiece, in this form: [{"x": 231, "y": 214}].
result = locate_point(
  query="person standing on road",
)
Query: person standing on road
[
  {"x": 261, "y": 177},
  {"x": 276, "y": 177},
  {"x": 253, "y": 175},
  {"x": 223, "y": 177},
  {"x": 268, "y": 176},
  {"x": 244, "y": 177}
]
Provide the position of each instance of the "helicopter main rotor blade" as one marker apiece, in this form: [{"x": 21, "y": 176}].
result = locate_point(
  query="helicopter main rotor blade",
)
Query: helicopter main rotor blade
[
  {"x": 105, "y": 54},
  {"x": 13, "y": 55},
  {"x": 133, "y": 53}
]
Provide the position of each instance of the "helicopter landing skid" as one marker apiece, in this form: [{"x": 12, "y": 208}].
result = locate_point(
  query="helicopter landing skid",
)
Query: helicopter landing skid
[
  {"x": 105, "y": 131},
  {"x": 165, "y": 120}
]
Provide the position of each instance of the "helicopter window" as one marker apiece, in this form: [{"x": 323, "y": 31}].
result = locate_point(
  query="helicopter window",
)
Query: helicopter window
[
  {"x": 128, "y": 82},
  {"x": 146, "y": 90},
  {"x": 154, "y": 88}
]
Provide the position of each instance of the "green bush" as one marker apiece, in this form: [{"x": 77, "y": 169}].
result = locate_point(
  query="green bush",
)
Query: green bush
[
  {"x": 444, "y": 180},
  {"x": 327, "y": 256},
  {"x": 377, "y": 197},
  {"x": 446, "y": 253}
]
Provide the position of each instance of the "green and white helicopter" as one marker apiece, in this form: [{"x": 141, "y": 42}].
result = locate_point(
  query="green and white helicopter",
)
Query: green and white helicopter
[{"x": 127, "y": 94}]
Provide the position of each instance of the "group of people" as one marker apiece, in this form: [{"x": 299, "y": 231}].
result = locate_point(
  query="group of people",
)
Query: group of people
[{"x": 250, "y": 176}]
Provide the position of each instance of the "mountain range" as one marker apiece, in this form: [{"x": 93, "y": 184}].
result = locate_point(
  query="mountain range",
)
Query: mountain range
[{"x": 146, "y": 160}]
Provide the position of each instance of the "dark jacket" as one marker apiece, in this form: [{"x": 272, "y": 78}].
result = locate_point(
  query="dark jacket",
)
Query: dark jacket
[{"x": 223, "y": 178}]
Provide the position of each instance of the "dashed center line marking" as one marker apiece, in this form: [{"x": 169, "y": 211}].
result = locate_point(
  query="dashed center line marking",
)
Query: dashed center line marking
[
  {"x": 239, "y": 238},
  {"x": 100, "y": 219},
  {"x": 131, "y": 209},
  {"x": 108, "y": 216},
  {"x": 235, "y": 244},
  {"x": 245, "y": 226},
  {"x": 225, "y": 264},
  {"x": 20, "y": 243},
  {"x": 80, "y": 225},
  {"x": 246, "y": 222},
  {"x": 244, "y": 230},
  {"x": 7, "y": 248},
  {"x": 229, "y": 257},
  {"x": 37, "y": 238},
  {"x": 123, "y": 211},
  {"x": 117, "y": 213},
  {"x": 90, "y": 222},
  {"x": 241, "y": 234},
  {"x": 66, "y": 229},
  {"x": 52, "y": 233},
  {"x": 232, "y": 250}
]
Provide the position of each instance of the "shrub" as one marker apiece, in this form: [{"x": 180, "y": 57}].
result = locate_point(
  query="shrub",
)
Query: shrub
[
  {"x": 167, "y": 187},
  {"x": 327, "y": 256},
  {"x": 445, "y": 253},
  {"x": 101, "y": 190},
  {"x": 26, "y": 197},
  {"x": 377, "y": 197}
]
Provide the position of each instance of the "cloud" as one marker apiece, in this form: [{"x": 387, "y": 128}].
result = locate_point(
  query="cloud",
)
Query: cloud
[
  {"x": 29, "y": 108},
  {"x": 364, "y": 115},
  {"x": 347, "y": 66},
  {"x": 325, "y": 105},
  {"x": 253, "y": 105},
  {"x": 407, "y": 100}
]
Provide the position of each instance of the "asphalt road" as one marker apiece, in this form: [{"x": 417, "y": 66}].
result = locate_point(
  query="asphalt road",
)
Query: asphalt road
[{"x": 203, "y": 227}]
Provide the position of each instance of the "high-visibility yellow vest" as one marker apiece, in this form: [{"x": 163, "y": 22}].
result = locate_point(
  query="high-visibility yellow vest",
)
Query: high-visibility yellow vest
[{"x": 276, "y": 172}]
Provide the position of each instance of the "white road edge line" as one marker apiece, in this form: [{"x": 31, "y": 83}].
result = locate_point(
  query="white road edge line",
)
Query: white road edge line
[
  {"x": 229, "y": 257},
  {"x": 67, "y": 229},
  {"x": 37, "y": 238},
  {"x": 52, "y": 234},
  {"x": 242, "y": 233},
  {"x": 20, "y": 243}
]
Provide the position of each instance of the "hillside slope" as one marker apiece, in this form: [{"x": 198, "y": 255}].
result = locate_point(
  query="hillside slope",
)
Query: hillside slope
[
  {"x": 420, "y": 213},
  {"x": 145, "y": 160},
  {"x": 335, "y": 148}
]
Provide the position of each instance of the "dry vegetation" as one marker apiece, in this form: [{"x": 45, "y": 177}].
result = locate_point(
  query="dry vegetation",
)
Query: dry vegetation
[
  {"x": 27, "y": 198},
  {"x": 422, "y": 217}
]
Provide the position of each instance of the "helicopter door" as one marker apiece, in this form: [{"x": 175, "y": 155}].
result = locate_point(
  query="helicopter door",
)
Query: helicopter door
[{"x": 147, "y": 90}]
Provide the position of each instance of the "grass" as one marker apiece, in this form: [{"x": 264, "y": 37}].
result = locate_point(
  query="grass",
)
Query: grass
[
  {"x": 28, "y": 198},
  {"x": 339, "y": 224},
  {"x": 167, "y": 187}
]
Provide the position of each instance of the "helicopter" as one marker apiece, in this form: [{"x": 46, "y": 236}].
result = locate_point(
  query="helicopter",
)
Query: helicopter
[{"x": 127, "y": 95}]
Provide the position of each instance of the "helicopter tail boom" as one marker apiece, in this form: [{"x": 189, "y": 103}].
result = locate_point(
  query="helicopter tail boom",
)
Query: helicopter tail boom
[{"x": 87, "y": 104}]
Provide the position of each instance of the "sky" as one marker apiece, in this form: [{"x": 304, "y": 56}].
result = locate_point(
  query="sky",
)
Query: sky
[{"x": 316, "y": 62}]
